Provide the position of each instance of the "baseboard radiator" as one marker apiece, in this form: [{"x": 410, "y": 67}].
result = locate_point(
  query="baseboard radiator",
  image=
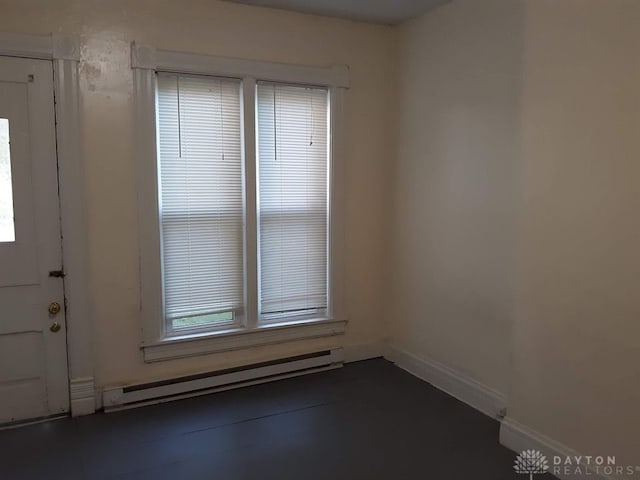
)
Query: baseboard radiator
[{"x": 129, "y": 396}]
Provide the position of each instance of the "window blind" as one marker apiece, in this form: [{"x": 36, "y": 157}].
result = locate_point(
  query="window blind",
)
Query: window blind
[
  {"x": 293, "y": 177},
  {"x": 201, "y": 197}
]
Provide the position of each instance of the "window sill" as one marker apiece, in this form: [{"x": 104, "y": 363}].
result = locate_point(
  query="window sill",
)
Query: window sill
[{"x": 239, "y": 338}]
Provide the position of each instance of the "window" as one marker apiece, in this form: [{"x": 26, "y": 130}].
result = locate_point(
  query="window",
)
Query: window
[
  {"x": 201, "y": 201},
  {"x": 7, "y": 228},
  {"x": 293, "y": 201},
  {"x": 238, "y": 159}
]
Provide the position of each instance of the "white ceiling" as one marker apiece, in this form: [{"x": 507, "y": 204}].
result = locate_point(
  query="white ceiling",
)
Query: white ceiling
[{"x": 376, "y": 11}]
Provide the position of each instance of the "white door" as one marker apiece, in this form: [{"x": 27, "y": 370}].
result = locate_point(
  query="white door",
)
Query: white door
[{"x": 33, "y": 351}]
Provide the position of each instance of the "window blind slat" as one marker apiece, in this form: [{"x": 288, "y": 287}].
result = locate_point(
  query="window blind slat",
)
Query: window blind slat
[
  {"x": 201, "y": 194},
  {"x": 293, "y": 198}
]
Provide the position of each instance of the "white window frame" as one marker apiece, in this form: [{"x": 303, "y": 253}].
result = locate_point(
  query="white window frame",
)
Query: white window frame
[{"x": 156, "y": 345}]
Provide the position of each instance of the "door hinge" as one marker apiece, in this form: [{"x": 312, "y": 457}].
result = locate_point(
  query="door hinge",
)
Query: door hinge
[{"x": 57, "y": 274}]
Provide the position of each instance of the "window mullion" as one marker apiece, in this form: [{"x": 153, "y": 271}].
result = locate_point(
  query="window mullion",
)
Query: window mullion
[
  {"x": 250, "y": 230},
  {"x": 336, "y": 202}
]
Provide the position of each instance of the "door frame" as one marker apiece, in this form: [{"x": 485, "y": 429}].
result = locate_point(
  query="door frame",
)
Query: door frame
[{"x": 64, "y": 53}]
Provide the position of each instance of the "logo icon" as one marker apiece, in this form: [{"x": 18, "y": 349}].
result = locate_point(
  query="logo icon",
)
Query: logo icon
[{"x": 531, "y": 462}]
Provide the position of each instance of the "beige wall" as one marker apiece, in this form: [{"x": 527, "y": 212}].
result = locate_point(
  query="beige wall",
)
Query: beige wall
[
  {"x": 516, "y": 245},
  {"x": 456, "y": 186},
  {"x": 206, "y": 26},
  {"x": 576, "y": 373}
]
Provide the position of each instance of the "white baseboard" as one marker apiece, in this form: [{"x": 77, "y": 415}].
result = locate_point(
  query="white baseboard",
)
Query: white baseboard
[
  {"x": 518, "y": 437},
  {"x": 83, "y": 396},
  {"x": 363, "y": 351},
  {"x": 473, "y": 393}
]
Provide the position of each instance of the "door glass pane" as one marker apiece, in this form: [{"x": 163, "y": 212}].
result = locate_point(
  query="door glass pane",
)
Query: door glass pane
[{"x": 7, "y": 230}]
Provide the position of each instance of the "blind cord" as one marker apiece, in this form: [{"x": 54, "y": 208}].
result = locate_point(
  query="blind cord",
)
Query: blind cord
[
  {"x": 221, "y": 119},
  {"x": 179, "y": 121}
]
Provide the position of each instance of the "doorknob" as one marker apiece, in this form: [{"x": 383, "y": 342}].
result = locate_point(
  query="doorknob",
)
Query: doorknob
[
  {"x": 55, "y": 327},
  {"x": 54, "y": 308}
]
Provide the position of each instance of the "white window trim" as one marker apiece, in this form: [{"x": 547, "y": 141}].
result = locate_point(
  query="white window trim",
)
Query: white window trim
[
  {"x": 235, "y": 339},
  {"x": 146, "y": 62}
]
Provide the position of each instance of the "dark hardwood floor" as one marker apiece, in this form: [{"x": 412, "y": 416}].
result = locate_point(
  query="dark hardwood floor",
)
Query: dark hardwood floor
[{"x": 369, "y": 420}]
